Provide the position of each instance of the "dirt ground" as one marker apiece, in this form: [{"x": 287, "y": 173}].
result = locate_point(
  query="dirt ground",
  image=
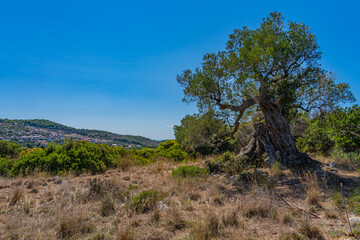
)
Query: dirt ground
[{"x": 280, "y": 204}]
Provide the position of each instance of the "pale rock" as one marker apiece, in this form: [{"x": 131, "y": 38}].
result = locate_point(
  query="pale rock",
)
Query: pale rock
[{"x": 162, "y": 206}]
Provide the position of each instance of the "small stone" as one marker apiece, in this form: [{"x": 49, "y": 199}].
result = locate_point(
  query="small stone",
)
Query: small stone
[
  {"x": 127, "y": 178},
  {"x": 161, "y": 206},
  {"x": 331, "y": 165}
]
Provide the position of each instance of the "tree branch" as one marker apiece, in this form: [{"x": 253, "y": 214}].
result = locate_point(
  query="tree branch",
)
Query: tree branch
[{"x": 241, "y": 109}]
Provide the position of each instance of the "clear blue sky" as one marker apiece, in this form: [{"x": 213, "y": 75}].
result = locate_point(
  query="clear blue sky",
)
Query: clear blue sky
[{"x": 112, "y": 65}]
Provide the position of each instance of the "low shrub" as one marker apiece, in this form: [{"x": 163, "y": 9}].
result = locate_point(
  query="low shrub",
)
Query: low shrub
[
  {"x": 256, "y": 176},
  {"x": 5, "y": 166},
  {"x": 208, "y": 228},
  {"x": 175, "y": 219},
  {"x": 107, "y": 206},
  {"x": 145, "y": 201},
  {"x": 228, "y": 163},
  {"x": 171, "y": 149},
  {"x": 354, "y": 201},
  {"x": 80, "y": 157},
  {"x": 73, "y": 224},
  {"x": 143, "y": 156},
  {"x": 72, "y": 156},
  {"x": 98, "y": 189},
  {"x": 189, "y": 171},
  {"x": 353, "y": 157},
  {"x": 310, "y": 231}
]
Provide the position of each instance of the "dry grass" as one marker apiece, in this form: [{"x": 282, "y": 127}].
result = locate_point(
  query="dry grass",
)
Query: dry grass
[
  {"x": 258, "y": 204},
  {"x": 310, "y": 231},
  {"x": 72, "y": 224},
  {"x": 16, "y": 196},
  {"x": 312, "y": 188},
  {"x": 104, "y": 207},
  {"x": 124, "y": 233}
]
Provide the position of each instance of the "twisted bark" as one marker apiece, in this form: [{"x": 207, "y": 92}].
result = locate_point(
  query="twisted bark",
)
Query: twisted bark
[{"x": 275, "y": 137}]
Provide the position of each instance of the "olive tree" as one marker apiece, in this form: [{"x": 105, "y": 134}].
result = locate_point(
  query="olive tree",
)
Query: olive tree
[{"x": 273, "y": 69}]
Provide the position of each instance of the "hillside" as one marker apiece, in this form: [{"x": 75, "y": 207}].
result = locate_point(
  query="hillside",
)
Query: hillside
[{"x": 38, "y": 132}]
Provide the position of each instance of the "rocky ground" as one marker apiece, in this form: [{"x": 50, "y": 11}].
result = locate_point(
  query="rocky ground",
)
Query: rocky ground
[{"x": 148, "y": 203}]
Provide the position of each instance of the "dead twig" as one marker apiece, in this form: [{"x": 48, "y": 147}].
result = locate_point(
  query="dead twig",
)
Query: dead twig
[{"x": 296, "y": 208}]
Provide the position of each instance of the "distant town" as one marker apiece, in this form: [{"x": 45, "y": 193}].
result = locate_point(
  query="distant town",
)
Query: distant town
[{"x": 41, "y": 132}]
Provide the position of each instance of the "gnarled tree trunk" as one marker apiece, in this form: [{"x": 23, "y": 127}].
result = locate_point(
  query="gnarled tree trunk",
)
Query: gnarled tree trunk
[{"x": 276, "y": 138}]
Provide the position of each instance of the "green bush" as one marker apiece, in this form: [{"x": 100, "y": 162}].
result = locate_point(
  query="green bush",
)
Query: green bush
[
  {"x": 145, "y": 201},
  {"x": 171, "y": 149},
  {"x": 143, "y": 156},
  {"x": 354, "y": 202},
  {"x": 5, "y": 166},
  {"x": 197, "y": 133},
  {"x": 82, "y": 156},
  {"x": 72, "y": 156},
  {"x": 9, "y": 149},
  {"x": 353, "y": 157},
  {"x": 338, "y": 130},
  {"x": 228, "y": 163},
  {"x": 189, "y": 171}
]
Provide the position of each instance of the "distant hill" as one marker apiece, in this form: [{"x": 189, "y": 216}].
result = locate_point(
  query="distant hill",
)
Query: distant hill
[{"x": 38, "y": 132}]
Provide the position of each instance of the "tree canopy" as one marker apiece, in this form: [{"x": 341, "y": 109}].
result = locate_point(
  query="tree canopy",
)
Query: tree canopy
[{"x": 274, "y": 69}]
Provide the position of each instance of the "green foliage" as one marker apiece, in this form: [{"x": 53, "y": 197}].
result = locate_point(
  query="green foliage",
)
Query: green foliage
[
  {"x": 354, "y": 201},
  {"x": 316, "y": 138},
  {"x": 5, "y": 166},
  {"x": 228, "y": 163},
  {"x": 145, "y": 201},
  {"x": 189, "y": 171},
  {"x": 9, "y": 149},
  {"x": 71, "y": 156},
  {"x": 337, "y": 200},
  {"x": 353, "y": 157},
  {"x": 198, "y": 132},
  {"x": 171, "y": 149},
  {"x": 338, "y": 131},
  {"x": 143, "y": 156},
  {"x": 82, "y": 156}
]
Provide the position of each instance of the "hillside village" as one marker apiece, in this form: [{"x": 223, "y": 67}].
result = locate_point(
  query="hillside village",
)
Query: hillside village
[
  {"x": 42, "y": 136},
  {"x": 27, "y": 135}
]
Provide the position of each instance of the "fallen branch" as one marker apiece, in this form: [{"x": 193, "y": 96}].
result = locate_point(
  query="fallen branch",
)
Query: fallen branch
[{"x": 296, "y": 208}]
